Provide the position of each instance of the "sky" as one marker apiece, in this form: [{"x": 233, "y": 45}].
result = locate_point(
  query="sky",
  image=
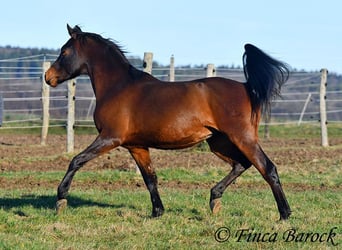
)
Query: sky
[{"x": 305, "y": 34}]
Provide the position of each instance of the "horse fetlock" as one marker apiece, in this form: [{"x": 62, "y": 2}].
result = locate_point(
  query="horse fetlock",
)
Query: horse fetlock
[
  {"x": 216, "y": 192},
  {"x": 61, "y": 205}
]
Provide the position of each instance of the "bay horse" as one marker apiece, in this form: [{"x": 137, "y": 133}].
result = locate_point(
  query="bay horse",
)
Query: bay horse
[{"x": 136, "y": 111}]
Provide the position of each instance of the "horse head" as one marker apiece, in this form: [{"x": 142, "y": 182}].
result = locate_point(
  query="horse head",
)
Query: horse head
[{"x": 70, "y": 62}]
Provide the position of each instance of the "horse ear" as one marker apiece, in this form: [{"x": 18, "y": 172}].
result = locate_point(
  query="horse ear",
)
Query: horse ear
[{"x": 73, "y": 32}]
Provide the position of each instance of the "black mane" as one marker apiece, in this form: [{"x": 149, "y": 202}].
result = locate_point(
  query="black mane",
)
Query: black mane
[
  {"x": 110, "y": 44},
  {"x": 110, "y": 47}
]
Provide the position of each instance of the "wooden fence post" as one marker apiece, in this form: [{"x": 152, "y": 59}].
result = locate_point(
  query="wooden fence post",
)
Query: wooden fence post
[
  {"x": 172, "y": 69},
  {"x": 71, "y": 115},
  {"x": 147, "y": 64},
  {"x": 46, "y": 105},
  {"x": 211, "y": 71},
  {"x": 322, "y": 108}
]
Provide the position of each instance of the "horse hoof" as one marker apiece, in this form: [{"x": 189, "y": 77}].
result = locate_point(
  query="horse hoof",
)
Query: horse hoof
[
  {"x": 157, "y": 213},
  {"x": 61, "y": 205},
  {"x": 285, "y": 216},
  {"x": 215, "y": 206}
]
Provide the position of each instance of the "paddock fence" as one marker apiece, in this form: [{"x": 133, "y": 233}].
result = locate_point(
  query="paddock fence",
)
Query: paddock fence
[{"x": 26, "y": 102}]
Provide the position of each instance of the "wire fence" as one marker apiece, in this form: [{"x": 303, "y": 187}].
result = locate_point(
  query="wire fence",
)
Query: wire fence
[{"x": 21, "y": 82}]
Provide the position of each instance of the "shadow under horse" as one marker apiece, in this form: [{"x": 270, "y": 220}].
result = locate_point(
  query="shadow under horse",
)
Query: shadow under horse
[{"x": 136, "y": 111}]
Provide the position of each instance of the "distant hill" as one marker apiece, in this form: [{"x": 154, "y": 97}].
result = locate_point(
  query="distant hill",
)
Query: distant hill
[{"x": 9, "y": 52}]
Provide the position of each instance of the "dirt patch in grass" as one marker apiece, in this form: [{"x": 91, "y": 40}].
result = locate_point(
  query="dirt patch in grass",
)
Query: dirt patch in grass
[{"x": 24, "y": 153}]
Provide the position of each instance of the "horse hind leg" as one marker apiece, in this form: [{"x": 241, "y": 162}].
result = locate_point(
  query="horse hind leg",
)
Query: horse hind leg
[
  {"x": 270, "y": 174},
  {"x": 143, "y": 160},
  {"x": 217, "y": 191},
  {"x": 253, "y": 151},
  {"x": 224, "y": 149}
]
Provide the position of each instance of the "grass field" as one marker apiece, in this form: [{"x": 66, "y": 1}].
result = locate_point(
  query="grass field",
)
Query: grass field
[{"x": 109, "y": 206}]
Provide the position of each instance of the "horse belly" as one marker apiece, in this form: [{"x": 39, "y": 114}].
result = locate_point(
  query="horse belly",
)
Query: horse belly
[
  {"x": 174, "y": 135},
  {"x": 180, "y": 139}
]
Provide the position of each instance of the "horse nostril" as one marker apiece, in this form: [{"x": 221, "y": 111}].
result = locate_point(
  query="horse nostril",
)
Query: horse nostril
[{"x": 47, "y": 78}]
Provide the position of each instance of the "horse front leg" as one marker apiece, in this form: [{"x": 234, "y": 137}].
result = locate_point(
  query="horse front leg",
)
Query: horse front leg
[
  {"x": 98, "y": 147},
  {"x": 143, "y": 160}
]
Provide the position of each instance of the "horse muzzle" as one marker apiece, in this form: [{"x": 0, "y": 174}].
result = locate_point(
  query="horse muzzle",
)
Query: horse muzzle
[{"x": 51, "y": 78}]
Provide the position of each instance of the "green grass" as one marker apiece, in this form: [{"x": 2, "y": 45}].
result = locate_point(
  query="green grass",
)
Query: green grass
[
  {"x": 302, "y": 131},
  {"x": 120, "y": 220},
  {"x": 98, "y": 218},
  {"x": 34, "y": 127}
]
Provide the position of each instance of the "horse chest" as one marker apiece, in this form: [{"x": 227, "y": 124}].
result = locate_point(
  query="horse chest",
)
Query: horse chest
[{"x": 110, "y": 117}]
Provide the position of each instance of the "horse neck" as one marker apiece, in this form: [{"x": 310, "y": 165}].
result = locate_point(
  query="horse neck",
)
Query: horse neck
[{"x": 107, "y": 75}]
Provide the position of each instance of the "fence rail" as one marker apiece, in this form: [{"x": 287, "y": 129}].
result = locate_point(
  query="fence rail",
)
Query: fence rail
[{"x": 24, "y": 103}]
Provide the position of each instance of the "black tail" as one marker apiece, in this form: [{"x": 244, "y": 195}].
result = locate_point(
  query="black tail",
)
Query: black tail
[{"x": 264, "y": 76}]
